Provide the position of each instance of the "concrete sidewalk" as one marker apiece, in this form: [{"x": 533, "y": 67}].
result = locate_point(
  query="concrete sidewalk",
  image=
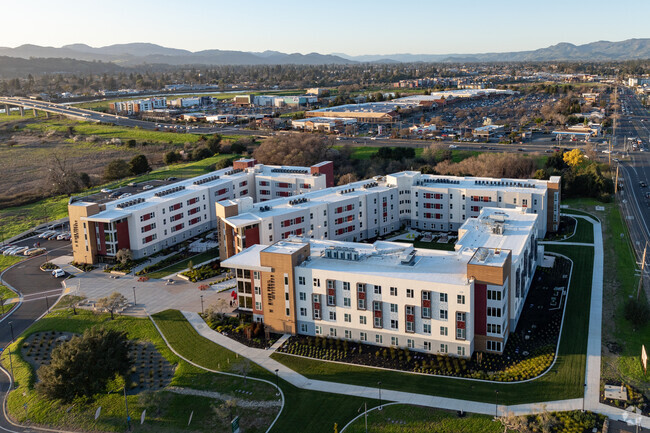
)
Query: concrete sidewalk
[{"x": 262, "y": 358}]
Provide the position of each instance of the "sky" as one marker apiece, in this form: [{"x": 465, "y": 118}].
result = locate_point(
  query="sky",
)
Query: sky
[{"x": 352, "y": 27}]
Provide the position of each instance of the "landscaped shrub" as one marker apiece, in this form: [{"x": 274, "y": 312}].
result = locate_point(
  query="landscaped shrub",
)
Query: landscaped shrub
[
  {"x": 49, "y": 266},
  {"x": 206, "y": 271},
  {"x": 637, "y": 313}
]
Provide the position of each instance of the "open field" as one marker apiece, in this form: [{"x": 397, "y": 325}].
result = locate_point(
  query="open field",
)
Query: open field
[
  {"x": 15, "y": 220},
  {"x": 563, "y": 381},
  {"x": 313, "y": 411},
  {"x": 166, "y": 411}
]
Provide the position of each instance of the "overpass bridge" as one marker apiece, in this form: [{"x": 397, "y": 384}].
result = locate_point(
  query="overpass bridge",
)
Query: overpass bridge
[{"x": 50, "y": 108}]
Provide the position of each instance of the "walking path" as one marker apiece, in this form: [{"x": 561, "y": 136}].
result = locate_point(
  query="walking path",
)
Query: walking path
[{"x": 592, "y": 379}]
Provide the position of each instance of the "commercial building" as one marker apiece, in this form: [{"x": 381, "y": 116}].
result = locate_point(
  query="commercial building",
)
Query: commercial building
[
  {"x": 367, "y": 209},
  {"x": 487, "y": 131},
  {"x": 391, "y": 294},
  {"x": 371, "y": 112},
  {"x": 325, "y": 124},
  {"x": 151, "y": 220},
  {"x": 137, "y": 106}
]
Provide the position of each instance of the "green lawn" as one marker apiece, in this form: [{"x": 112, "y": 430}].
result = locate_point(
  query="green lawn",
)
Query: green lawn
[
  {"x": 402, "y": 418},
  {"x": 6, "y": 261},
  {"x": 304, "y": 411},
  {"x": 6, "y": 293},
  {"x": 563, "y": 381},
  {"x": 15, "y": 220},
  {"x": 584, "y": 231},
  {"x": 179, "y": 266},
  {"x": 166, "y": 412}
]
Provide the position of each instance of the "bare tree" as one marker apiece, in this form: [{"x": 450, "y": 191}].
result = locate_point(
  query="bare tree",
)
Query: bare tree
[
  {"x": 61, "y": 177},
  {"x": 124, "y": 255},
  {"x": 112, "y": 302},
  {"x": 294, "y": 149},
  {"x": 243, "y": 368}
]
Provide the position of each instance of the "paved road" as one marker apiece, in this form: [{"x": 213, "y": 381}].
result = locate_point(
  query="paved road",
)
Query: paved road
[
  {"x": 39, "y": 290},
  {"x": 634, "y": 169}
]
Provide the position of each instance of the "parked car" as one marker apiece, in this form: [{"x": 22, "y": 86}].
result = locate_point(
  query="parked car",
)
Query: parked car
[
  {"x": 146, "y": 187},
  {"x": 5, "y": 248},
  {"x": 45, "y": 234},
  {"x": 34, "y": 251},
  {"x": 57, "y": 273},
  {"x": 125, "y": 195},
  {"x": 9, "y": 251},
  {"x": 19, "y": 250},
  {"x": 106, "y": 190},
  {"x": 114, "y": 195},
  {"x": 62, "y": 236}
]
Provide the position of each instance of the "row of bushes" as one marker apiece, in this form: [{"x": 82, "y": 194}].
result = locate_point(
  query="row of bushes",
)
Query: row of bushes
[{"x": 165, "y": 262}]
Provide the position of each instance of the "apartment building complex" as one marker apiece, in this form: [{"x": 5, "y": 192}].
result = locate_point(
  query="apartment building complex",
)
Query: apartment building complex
[
  {"x": 151, "y": 220},
  {"x": 376, "y": 207},
  {"x": 390, "y": 294}
]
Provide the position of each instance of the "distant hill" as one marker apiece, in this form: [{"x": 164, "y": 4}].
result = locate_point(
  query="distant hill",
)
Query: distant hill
[
  {"x": 602, "y": 50},
  {"x": 12, "y": 67},
  {"x": 143, "y": 53},
  {"x": 84, "y": 58}
]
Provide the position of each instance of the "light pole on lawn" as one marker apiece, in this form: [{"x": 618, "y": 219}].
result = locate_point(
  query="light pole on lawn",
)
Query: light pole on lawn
[
  {"x": 379, "y": 384},
  {"x": 201, "y": 304},
  {"x": 496, "y": 404},
  {"x": 135, "y": 302},
  {"x": 11, "y": 364},
  {"x": 277, "y": 382}
]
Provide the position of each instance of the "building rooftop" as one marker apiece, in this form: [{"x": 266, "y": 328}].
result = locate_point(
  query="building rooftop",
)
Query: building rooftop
[
  {"x": 469, "y": 182},
  {"x": 497, "y": 229},
  {"x": 388, "y": 259},
  {"x": 247, "y": 259},
  {"x": 368, "y": 107}
]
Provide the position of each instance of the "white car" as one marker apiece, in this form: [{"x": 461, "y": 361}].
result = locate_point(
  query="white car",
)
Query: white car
[
  {"x": 9, "y": 251},
  {"x": 57, "y": 273},
  {"x": 19, "y": 250},
  {"x": 46, "y": 234},
  {"x": 453, "y": 146},
  {"x": 125, "y": 195},
  {"x": 106, "y": 190},
  {"x": 146, "y": 187}
]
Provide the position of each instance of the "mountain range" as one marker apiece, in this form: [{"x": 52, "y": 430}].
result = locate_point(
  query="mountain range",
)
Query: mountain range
[{"x": 137, "y": 54}]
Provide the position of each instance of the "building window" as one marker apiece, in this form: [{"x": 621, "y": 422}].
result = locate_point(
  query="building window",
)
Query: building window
[
  {"x": 494, "y": 295},
  {"x": 301, "y": 281},
  {"x": 443, "y": 314},
  {"x": 363, "y": 336},
  {"x": 303, "y": 328},
  {"x": 494, "y": 346},
  {"x": 460, "y": 299},
  {"x": 393, "y": 324},
  {"x": 427, "y": 345},
  {"x": 410, "y": 343},
  {"x": 393, "y": 291},
  {"x": 443, "y": 348},
  {"x": 332, "y": 332},
  {"x": 348, "y": 334},
  {"x": 347, "y": 318},
  {"x": 347, "y": 302},
  {"x": 346, "y": 285},
  {"x": 332, "y": 315},
  {"x": 379, "y": 339},
  {"x": 258, "y": 305},
  {"x": 394, "y": 341},
  {"x": 377, "y": 290},
  {"x": 303, "y": 296},
  {"x": 319, "y": 330},
  {"x": 493, "y": 312},
  {"x": 258, "y": 290},
  {"x": 461, "y": 351},
  {"x": 409, "y": 293},
  {"x": 303, "y": 311},
  {"x": 393, "y": 308},
  {"x": 287, "y": 312},
  {"x": 443, "y": 331},
  {"x": 377, "y": 322},
  {"x": 426, "y": 328},
  {"x": 443, "y": 297}
]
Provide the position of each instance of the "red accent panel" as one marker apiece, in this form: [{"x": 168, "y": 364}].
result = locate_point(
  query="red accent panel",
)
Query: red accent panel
[
  {"x": 122, "y": 231},
  {"x": 460, "y": 325},
  {"x": 426, "y": 303},
  {"x": 480, "y": 309},
  {"x": 252, "y": 236},
  {"x": 102, "y": 240},
  {"x": 410, "y": 318},
  {"x": 331, "y": 292},
  {"x": 326, "y": 169},
  {"x": 361, "y": 295},
  {"x": 377, "y": 313}
]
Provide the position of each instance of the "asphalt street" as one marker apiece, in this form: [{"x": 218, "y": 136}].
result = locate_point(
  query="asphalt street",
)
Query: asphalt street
[{"x": 39, "y": 290}]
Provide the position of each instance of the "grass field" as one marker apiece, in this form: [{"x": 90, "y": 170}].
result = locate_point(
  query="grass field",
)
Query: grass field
[
  {"x": 368, "y": 152},
  {"x": 6, "y": 261},
  {"x": 15, "y": 220},
  {"x": 401, "y": 418},
  {"x": 166, "y": 411},
  {"x": 304, "y": 410},
  {"x": 563, "y": 381}
]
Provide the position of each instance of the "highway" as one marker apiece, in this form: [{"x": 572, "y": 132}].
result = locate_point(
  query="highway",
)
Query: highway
[{"x": 634, "y": 172}]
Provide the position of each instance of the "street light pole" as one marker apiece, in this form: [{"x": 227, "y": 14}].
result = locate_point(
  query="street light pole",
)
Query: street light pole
[
  {"x": 496, "y": 404},
  {"x": 277, "y": 382},
  {"x": 135, "y": 302},
  {"x": 201, "y": 304},
  {"x": 584, "y": 395},
  {"x": 11, "y": 364},
  {"x": 379, "y": 384},
  {"x": 126, "y": 405}
]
